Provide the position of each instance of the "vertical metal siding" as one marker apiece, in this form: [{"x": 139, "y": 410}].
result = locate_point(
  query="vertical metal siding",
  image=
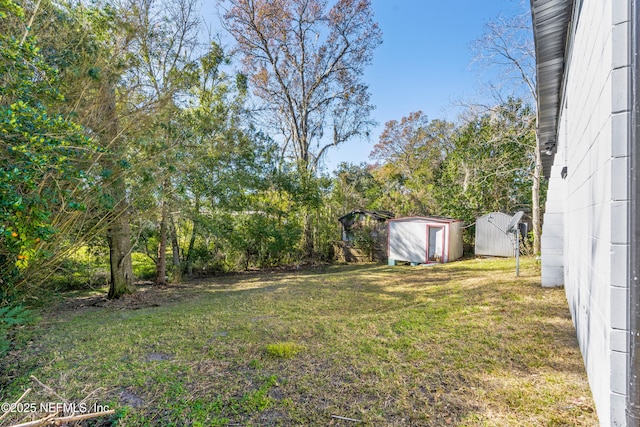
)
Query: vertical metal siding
[{"x": 491, "y": 239}]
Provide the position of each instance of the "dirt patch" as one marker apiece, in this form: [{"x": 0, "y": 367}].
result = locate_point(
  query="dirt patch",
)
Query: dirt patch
[
  {"x": 147, "y": 295},
  {"x": 158, "y": 356},
  {"x": 130, "y": 399}
]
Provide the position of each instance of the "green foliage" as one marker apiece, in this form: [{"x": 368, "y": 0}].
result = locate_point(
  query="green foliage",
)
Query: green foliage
[
  {"x": 490, "y": 168},
  {"x": 482, "y": 165},
  {"x": 180, "y": 155},
  {"x": 11, "y": 316},
  {"x": 264, "y": 240},
  {"x": 259, "y": 400},
  {"x": 143, "y": 266},
  {"x": 42, "y": 154},
  {"x": 354, "y": 187},
  {"x": 363, "y": 237},
  {"x": 10, "y": 7},
  {"x": 73, "y": 274},
  {"x": 412, "y": 152}
]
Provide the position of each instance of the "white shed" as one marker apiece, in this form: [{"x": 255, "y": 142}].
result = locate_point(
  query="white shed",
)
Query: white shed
[
  {"x": 491, "y": 239},
  {"x": 424, "y": 240}
]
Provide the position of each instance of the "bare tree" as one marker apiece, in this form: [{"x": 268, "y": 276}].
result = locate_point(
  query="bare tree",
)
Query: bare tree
[
  {"x": 507, "y": 44},
  {"x": 306, "y": 62}
]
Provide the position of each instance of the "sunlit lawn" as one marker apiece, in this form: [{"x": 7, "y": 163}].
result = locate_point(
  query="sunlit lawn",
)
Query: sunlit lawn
[{"x": 465, "y": 343}]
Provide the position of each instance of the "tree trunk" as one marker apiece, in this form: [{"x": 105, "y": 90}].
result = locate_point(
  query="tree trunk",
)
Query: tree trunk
[
  {"x": 307, "y": 175},
  {"x": 175, "y": 251},
  {"x": 118, "y": 233},
  {"x": 535, "y": 199},
  {"x": 118, "y": 236},
  {"x": 192, "y": 241},
  {"x": 161, "y": 270},
  {"x": 309, "y": 247}
]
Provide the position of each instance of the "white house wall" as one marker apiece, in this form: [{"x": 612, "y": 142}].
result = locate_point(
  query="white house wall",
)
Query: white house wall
[{"x": 584, "y": 243}]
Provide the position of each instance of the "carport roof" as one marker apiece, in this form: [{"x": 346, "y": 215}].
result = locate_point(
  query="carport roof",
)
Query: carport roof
[{"x": 551, "y": 21}]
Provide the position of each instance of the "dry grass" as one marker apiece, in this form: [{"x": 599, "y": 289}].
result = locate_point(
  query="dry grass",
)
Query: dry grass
[{"x": 459, "y": 344}]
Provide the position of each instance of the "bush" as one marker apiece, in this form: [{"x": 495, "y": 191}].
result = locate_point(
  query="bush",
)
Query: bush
[{"x": 143, "y": 267}]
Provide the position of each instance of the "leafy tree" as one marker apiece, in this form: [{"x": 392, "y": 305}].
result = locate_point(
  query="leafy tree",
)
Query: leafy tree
[
  {"x": 42, "y": 161},
  {"x": 89, "y": 44},
  {"x": 354, "y": 187},
  {"x": 164, "y": 80},
  {"x": 42, "y": 154},
  {"x": 128, "y": 96},
  {"x": 489, "y": 168},
  {"x": 412, "y": 151},
  {"x": 223, "y": 167}
]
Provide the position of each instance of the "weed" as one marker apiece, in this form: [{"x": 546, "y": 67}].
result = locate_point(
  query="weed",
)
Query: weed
[
  {"x": 12, "y": 316},
  {"x": 259, "y": 400},
  {"x": 284, "y": 350},
  {"x": 256, "y": 364}
]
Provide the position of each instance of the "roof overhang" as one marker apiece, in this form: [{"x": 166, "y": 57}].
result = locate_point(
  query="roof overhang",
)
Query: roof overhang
[
  {"x": 349, "y": 219},
  {"x": 438, "y": 219},
  {"x": 551, "y": 20}
]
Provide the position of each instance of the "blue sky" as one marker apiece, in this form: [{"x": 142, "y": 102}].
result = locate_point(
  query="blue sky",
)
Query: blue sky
[{"x": 424, "y": 62}]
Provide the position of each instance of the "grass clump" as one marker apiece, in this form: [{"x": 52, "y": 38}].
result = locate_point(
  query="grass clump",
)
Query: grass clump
[
  {"x": 259, "y": 400},
  {"x": 284, "y": 350}
]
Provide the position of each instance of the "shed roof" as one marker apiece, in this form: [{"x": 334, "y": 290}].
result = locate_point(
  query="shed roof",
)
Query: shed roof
[
  {"x": 425, "y": 218},
  {"x": 551, "y": 20},
  {"x": 348, "y": 219}
]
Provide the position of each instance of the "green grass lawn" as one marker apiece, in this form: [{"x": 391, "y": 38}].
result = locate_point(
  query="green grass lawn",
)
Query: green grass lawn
[{"x": 466, "y": 343}]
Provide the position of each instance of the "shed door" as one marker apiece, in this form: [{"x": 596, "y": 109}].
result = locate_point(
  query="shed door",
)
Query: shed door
[{"x": 436, "y": 244}]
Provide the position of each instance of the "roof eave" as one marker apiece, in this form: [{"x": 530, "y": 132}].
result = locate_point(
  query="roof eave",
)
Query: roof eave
[{"x": 551, "y": 20}]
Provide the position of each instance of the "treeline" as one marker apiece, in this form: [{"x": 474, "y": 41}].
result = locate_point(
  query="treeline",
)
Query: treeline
[
  {"x": 484, "y": 164},
  {"x": 126, "y": 138}
]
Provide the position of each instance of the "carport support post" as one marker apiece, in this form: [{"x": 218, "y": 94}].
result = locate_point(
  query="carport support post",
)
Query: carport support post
[
  {"x": 633, "y": 357},
  {"x": 517, "y": 252}
]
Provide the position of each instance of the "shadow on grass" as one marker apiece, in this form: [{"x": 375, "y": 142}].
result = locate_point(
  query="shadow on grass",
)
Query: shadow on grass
[{"x": 388, "y": 345}]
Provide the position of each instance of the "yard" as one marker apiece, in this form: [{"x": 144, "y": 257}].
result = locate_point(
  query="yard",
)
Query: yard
[{"x": 465, "y": 343}]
